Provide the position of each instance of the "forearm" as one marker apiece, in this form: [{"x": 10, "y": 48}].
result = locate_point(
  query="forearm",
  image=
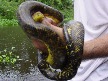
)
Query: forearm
[
  {"x": 96, "y": 48},
  {"x": 92, "y": 49}
]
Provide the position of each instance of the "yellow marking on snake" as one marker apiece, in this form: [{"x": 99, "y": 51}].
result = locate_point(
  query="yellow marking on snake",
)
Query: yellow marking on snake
[{"x": 50, "y": 57}]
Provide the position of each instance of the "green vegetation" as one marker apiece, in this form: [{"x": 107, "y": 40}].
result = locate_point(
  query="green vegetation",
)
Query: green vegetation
[
  {"x": 8, "y": 13},
  {"x": 8, "y": 22},
  {"x": 64, "y": 6},
  {"x": 8, "y": 10},
  {"x": 8, "y": 56}
]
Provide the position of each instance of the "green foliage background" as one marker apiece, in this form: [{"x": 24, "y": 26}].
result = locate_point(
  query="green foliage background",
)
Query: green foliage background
[{"x": 8, "y": 10}]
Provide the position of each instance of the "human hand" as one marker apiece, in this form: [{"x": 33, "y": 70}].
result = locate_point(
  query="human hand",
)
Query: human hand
[
  {"x": 53, "y": 26},
  {"x": 48, "y": 21}
]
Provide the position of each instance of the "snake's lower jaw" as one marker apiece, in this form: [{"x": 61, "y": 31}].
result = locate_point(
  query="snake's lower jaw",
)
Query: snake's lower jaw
[
  {"x": 57, "y": 62},
  {"x": 55, "y": 59},
  {"x": 48, "y": 72}
]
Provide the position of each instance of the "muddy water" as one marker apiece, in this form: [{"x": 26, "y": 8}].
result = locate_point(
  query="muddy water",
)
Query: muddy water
[{"x": 25, "y": 69}]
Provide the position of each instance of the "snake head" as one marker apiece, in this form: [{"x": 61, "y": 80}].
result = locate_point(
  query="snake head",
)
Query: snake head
[{"x": 67, "y": 57}]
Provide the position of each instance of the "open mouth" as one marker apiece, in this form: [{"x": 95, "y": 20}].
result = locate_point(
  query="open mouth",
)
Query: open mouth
[{"x": 39, "y": 45}]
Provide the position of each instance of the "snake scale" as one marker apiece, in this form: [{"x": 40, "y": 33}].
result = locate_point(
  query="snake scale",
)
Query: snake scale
[{"x": 62, "y": 60}]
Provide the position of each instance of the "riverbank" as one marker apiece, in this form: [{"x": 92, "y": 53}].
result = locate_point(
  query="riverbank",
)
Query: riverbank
[
  {"x": 8, "y": 22},
  {"x": 68, "y": 15},
  {"x": 8, "y": 11}
]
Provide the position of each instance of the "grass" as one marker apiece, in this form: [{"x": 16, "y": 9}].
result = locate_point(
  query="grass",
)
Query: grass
[
  {"x": 68, "y": 15},
  {"x": 8, "y": 12},
  {"x": 8, "y": 22}
]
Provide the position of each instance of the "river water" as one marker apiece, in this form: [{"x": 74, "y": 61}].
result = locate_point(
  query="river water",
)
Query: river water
[{"x": 24, "y": 69}]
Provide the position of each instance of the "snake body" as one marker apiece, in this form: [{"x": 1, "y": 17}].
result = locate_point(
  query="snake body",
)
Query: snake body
[{"x": 65, "y": 57}]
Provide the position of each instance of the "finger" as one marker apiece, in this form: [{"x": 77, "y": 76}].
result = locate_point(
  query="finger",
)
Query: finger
[{"x": 46, "y": 22}]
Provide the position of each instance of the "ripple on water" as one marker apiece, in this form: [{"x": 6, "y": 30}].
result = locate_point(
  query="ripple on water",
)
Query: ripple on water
[{"x": 25, "y": 69}]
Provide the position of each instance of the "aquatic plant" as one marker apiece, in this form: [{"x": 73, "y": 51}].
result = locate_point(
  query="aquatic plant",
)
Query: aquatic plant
[{"x": 8, "y": 56}]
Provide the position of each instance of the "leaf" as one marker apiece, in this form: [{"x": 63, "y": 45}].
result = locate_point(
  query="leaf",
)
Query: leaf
[
  {"x": 13, "y": 48},
  {"x": 17, "y": 57},
  {"x": 13, "y": 60},
  {"x": 5, "y": 50},
  {"x": 7, "y": 59},
  {"x": 3, "y": 55}
]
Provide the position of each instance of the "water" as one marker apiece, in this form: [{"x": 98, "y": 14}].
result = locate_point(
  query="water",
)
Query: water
[{"x": 24, "y": 69}]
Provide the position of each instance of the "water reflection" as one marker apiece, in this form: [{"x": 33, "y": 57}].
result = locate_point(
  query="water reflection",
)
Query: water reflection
[{"x": 25, "y": 68}]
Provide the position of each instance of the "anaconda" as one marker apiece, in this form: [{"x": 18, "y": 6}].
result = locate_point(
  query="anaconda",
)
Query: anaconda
[{"x": 65, "y": 57}]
